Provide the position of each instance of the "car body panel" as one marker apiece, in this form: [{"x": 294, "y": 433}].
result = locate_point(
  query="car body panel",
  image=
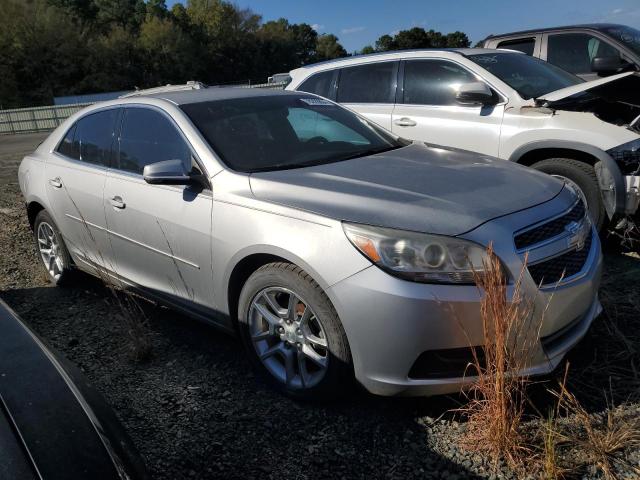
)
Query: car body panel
[{"x": 584, "y": 87}]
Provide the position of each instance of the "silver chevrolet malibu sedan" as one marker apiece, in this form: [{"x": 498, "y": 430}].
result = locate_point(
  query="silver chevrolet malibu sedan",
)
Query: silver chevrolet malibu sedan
[{"x": 333, "y": 248}]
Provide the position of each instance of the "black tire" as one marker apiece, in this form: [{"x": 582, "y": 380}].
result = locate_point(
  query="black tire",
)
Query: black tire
[
  {"x": 584, "y": 176},
  {"x": 66, "y": 271},
  {"x": 338, "y": 375}
]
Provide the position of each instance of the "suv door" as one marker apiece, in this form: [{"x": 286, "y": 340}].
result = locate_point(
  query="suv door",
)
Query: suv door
[
  {"x": 370, "y": 90},
  {"x": 161, "y": 234},
  {"x": 574, "y": 51},
  {"x": 75, "y": 173},
  {"x": 427, "y": 109}
]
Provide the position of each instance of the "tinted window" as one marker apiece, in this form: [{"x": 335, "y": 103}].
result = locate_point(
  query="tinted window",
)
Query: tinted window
[
  {"x": 433, "y": 82},
  {"x": 574, "y": 52},
  {"x": 94, "y": 137},
  {"x": 67, "y": 147},
  {"x": 320, "y": 84},
  {"x": 529, "y": 76},
  {"x": 372, "y": 83},
  {"x": 629, "y": 37},
  {"x": 524, "y": 45},
  {"x": 285, "y": 131},
  {"x": 148, "y": 137}
]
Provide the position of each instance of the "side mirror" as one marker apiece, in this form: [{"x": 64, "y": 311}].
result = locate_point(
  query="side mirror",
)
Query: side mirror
[
  {"x": 167, "y": 172},
  {"x": 475, "y": 93},
  {"x": 609, "y": 65}
]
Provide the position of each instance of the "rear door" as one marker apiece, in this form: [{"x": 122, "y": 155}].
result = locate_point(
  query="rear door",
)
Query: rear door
[
  {"x": 427, "y": 109},
  {"x": 574, "y": 51},
  {"x": 369, "y": 89},
  {"x": 161, "y": 234},
  {"x": 76, "y": 173}
]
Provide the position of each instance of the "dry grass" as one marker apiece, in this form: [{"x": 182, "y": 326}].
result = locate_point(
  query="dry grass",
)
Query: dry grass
[{"x": 497, "y": 398}]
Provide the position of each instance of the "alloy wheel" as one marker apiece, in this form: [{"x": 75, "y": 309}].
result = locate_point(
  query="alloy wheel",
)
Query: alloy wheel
[
  {"x": 50, "y": 250},
  {"x": 288, "y": 337}
]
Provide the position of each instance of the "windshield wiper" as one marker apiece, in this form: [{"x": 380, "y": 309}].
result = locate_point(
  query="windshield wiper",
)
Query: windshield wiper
[{"x": 371, "y": 151}]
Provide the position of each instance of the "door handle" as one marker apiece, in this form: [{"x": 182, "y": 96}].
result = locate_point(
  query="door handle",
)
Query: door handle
[
  {"x": 116, "y": 202},
  {"x": 55, "y": 182},
  {"x": 405, "y": 122}
]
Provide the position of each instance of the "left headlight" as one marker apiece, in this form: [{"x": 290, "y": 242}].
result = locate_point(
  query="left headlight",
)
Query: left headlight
[
  {"x": 627, "y": 156},
  {"x": 416, "y": 256}
]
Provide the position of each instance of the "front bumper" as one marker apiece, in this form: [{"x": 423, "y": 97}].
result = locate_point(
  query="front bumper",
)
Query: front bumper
[{"x": 390, "y": 322}]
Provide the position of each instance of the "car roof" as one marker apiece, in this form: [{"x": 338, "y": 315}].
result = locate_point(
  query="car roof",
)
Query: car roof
[
  {"x": 211, "y": 94},
  {"x": 587, "y": 26}
]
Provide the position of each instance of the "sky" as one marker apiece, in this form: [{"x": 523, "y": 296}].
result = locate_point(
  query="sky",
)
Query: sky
[{"x": 360, "y": 22}]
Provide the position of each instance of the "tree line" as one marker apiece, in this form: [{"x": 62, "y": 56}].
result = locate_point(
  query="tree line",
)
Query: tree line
[{"x": 52, "y": 48}]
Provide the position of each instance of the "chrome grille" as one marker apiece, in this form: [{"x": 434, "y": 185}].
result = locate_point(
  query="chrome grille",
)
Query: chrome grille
[
  {"x": 550, "y": 229},
  {"x": 561, "y": 267}
]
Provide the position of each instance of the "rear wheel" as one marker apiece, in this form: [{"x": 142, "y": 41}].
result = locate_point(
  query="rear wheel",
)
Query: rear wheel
[
  {"x": 293, "y": 334},
  {"x": 53, "y": 252},
  {"x": 582, "y": 178}
]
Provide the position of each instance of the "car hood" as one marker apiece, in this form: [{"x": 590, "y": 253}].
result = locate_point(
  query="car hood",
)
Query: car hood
[
  {"x": 621, "y": 87},
  {"x": 420, "y": 188}
]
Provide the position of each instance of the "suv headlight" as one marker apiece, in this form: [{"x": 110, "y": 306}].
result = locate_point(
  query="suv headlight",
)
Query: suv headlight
[
  {"x": 627, "y": 156},
  {"x": 416, "y": 256}
]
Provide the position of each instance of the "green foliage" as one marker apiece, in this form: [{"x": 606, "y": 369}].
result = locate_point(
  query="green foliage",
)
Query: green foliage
[{"x": 61, "y": 47}]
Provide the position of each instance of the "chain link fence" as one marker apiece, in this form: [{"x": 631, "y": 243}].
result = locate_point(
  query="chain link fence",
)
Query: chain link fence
[{"x": 44, "y": 119}]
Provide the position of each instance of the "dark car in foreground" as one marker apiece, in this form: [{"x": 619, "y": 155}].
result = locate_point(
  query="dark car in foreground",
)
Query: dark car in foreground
[{"x": 53, "y": 425}]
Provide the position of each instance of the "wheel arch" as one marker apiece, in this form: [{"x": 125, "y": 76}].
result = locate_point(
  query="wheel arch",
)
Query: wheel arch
[
  {"x": 33, "y": 208},
  {"x": 532, "y": 152}
]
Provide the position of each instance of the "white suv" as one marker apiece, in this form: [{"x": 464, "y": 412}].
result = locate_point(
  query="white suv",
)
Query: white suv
[{"x": 504, "y": 104}]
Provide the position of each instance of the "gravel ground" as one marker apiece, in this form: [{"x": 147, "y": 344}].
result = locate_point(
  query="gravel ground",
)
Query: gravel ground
[{"x": 195, "y": 410}]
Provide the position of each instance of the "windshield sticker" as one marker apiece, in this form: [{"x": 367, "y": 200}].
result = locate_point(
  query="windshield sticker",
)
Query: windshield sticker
[{"x": 316, "y": 102}]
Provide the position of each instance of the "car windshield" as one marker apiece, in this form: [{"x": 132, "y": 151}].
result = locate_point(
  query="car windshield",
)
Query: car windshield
[
  {"x": 629, "y": 37},
  {"x": 528, "y": 76},
  {"x": 285, "y": 131}
]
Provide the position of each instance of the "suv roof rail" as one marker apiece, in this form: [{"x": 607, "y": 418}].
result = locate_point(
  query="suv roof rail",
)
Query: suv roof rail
[{"x": 190, "y": 85}]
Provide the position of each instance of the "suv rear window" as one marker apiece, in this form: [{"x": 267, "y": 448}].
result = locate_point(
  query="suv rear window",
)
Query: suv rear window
[
  {"x": 320, "y": 84},
  {"x": 370, "y": 83},
  {"x": 524, "y": 45}
]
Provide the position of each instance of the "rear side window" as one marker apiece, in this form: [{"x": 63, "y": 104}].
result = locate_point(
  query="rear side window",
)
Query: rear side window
[
  {"x": 524, "y": 45},
  {"x": 92, "y": 138},
  {"x": 574, "y": 52},
  {"x": 67, "y": 147},
  {"x": 371, "y": 83},
  {"x": 320, "y": 84},
  {"x": 147, "y": 137},
  {"x": 433, "y": 82}
]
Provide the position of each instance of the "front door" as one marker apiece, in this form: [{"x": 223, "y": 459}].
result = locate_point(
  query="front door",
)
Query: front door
[
  {"x": 160, "y": 234},
  {"x": 427, "y": 109}
]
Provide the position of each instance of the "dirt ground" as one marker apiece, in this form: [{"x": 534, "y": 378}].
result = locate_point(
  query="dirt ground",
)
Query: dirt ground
[{"x": 195, "y": 410}]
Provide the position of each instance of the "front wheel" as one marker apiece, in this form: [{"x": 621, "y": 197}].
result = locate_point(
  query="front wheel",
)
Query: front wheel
[
  {"x": 293, "y": 334},
  {"x": 582, "y": 178}
]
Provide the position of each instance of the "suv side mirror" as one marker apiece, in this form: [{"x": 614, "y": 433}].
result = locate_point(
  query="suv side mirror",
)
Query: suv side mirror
[
  {"x": 167, "y": 172},
  {"x": 608, "y": 65},
  {"x": 475, "y": 93}
]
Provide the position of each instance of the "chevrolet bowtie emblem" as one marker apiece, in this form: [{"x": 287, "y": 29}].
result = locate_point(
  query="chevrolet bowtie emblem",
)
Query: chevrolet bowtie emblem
[{"x": 577, "y": 234}]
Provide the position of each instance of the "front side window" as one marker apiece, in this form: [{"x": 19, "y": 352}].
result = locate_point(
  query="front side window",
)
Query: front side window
[
  {"x": 147, "y": 137},
  {"x": 574, "y": 52},
  {"x": 528, "y": 76},
  {"x": 524, "y": 45},
  {"x": 285, "y": 131},
  {"x": 433, "y": 82},
  {"x": 629, "y": 37},
  {"x": 93, "y": 137},
  {"x": 320, "y": 84},
  {"x": 370, "y": 83}
]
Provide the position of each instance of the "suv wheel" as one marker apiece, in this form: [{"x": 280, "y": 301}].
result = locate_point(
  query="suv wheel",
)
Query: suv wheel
[
  {"x": 582, "y": 177},
  {"x": 293, "y": 334},
  {"x": 53, "y": 252}
]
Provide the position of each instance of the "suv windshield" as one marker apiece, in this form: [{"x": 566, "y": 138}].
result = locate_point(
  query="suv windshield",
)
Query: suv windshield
[
  {"x": 629, "y": 37},
  {"x": 528, "y": 76},
  {"x": 285, "y": 131}
]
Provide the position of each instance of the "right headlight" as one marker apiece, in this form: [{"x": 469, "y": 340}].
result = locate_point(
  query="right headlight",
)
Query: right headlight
[
  {"x": 418, "y": 257},
  {"x": 627, "y": 156}
]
